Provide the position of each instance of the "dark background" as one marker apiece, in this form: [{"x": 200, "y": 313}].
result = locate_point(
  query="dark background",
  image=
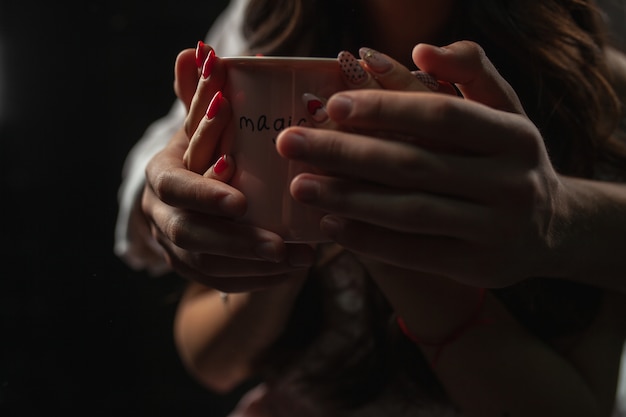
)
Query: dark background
[{"x": 79, "y": 331}]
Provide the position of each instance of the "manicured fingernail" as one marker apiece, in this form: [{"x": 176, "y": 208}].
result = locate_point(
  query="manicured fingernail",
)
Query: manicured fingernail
[
  {"x": 267, "y": 251},
  {"x": 221, "y": 165},
  {"x": 315, "y": 107},
  {"x": 331, "y": 226},
  {"x": 376, "y": 61},
  {"x": 427, "y": 79},
  {"x": 214, "y": 105},
  {"x": 200, "y": 54},
  {"x": 351, "y": 68},
  {"x": 207, "y": 67}
]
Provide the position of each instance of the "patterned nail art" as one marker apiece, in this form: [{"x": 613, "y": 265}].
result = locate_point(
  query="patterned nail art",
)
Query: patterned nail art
[
  {"x": 315, "y": 107},
  {"x": 351, "y": 68},
  {"x": 427, "y": 79},
  {"x": 375, "y": 60}
]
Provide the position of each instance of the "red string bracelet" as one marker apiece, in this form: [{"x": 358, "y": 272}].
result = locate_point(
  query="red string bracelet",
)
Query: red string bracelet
[{"x": 474, "y": 320}]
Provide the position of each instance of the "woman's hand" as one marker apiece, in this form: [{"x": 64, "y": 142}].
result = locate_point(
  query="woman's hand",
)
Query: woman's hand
[
  {"x": 191, "y": 208},
  {"x": 468, "y": 193}
]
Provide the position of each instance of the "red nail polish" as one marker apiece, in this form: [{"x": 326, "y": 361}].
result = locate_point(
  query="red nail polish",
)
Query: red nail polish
[
  {"x": 208, "y": 64},
  {"x": 215, "y": 105},
  {"x": 200, "y": 56},
  {"x": 315, "y": 107},
  {"x": 221, "y": 165}
]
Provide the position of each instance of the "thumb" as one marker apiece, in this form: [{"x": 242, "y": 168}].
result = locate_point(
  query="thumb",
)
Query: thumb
[{"x": 466, "y": 65}]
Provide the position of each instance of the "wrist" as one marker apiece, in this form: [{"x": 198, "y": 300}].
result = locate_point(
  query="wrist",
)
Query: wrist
[
  {"x": 265, "y": 311},
  {"x": 433, "y": 343},
  {"x": 587, "y": 226}
]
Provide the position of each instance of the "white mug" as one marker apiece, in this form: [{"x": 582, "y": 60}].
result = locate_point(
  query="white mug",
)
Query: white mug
[{"x": 266, "y": 97}]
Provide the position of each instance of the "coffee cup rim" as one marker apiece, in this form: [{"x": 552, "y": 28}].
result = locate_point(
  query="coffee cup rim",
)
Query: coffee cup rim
[{"x": 278, "y": 61}]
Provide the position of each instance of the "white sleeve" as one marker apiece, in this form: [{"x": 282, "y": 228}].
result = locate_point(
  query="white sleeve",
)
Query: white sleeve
[{"x": 133, "y": 241}]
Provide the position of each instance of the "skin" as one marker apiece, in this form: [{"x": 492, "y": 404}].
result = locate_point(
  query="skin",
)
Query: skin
[
  {"x": 411, "y": 20},
  {"x": 587, "y": 368},
  {"x": 464, "y": 235}
]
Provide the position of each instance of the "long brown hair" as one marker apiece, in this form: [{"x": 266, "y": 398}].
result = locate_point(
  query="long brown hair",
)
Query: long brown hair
[
  {"x": 551, "y": 51},
  {"x": 558, "y": 68}
]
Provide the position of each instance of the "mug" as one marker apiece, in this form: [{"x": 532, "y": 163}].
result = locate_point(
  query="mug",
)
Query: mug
[{"x": 266, "y": 97}]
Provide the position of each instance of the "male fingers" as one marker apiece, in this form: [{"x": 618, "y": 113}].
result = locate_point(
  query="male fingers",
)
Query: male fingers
[
  {"x": 403, "y": 210},
  {"x": 465, "y": 64},
  {"x": 433, "y": 120}
]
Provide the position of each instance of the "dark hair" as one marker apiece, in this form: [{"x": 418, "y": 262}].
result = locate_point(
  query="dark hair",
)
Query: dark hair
[{"x": 557, "y": 66}]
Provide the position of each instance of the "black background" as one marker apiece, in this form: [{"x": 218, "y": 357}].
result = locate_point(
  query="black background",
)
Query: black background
[{"x": 79, "y": 331}]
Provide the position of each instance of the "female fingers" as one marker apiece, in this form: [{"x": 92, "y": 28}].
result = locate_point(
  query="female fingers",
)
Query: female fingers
[
  {"x": 199, "y": 232},
  {"x": 173, "y": 184},
  {"x": 375, "y": 71},
  {"x": 391, "y": 75},
  {"x": 193, "y": 217},
  {"x": 228, "y": 274},
  {"x": 378, "y": 70},
  {"x": 206, "y": 138},
  {"x": 212, "y": 77}
]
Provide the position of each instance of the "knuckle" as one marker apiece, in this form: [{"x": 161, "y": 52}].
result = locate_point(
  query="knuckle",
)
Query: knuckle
[
  {"x": 474, "y": 48},
  {"x": 189, "y": 129},
  {"x": 474, "y": 54},
  {"x": 443, "y": 110},
  {"x": 375, "y": 110},
  {"x": 161, "y": 184},
  {"x": 174, "y": 228}
]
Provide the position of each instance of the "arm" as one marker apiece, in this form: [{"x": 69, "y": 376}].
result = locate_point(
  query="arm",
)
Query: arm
[
  {"x": 491, "y": 201},
  {"x": 192, "y": 211},
  {"x": 489, "y": 211},
  {"x": 218, "y": 340},
  {"x": 496, "y": 367},
  {"x": 588, "y": 234},
  {"x": 133, "y": 241}
]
